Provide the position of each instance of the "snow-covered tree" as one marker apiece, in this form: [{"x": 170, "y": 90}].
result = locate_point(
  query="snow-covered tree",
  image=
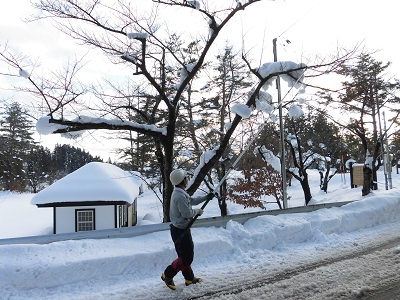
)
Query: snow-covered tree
[
  {"x": 367, "y": 91},
  {"x": 141, "y": 41}
]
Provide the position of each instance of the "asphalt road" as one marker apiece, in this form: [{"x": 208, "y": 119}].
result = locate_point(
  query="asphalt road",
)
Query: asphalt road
[
  {"x": 390, "y": 291},
  {"x": 369, "y": 273}
]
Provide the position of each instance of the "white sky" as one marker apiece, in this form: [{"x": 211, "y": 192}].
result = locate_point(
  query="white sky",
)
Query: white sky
[
  {"x": 314, "y": 27},
  {"x": 130, "y": 268}
]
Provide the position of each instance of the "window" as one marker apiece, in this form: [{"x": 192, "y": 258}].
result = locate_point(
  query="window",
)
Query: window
[
  {"x": 123, "y": 215},
  {"x": 84, "y": 220}
]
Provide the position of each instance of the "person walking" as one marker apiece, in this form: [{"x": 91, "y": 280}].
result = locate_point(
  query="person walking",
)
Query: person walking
[{"x": 181, "y": 213}]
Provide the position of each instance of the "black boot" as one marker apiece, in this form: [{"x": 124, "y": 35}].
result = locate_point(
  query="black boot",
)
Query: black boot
[
  {"x": 193, "y": 281},
  {"x": 189, "y": 277},
  {"x": 168, "y": 276},
  {"x": 168, "y": 281}
]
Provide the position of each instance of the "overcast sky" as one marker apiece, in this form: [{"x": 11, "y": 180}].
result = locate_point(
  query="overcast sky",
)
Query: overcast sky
[{"x": 312, "y": 26}]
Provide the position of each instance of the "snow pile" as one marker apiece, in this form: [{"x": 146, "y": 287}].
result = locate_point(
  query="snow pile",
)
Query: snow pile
[
  {"x": 264, "y": 102},
  {"x": 204, "y": 159},
  {"x": 15, "y": 209}
]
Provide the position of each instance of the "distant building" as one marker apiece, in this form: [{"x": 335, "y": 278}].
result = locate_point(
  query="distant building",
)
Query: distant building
[{"x": 96, "y": 196}]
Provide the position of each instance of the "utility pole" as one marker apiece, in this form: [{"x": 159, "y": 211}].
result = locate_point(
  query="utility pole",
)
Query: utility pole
[
  {"x": 381, "y": 136},
  {"x": 388, "y": 161},
  {"x": 282, "y": 134}
]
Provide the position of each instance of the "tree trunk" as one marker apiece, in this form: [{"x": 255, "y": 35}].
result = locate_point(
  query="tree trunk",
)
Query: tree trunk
[
  {"x": 306, "y": 187},
  {"x": 306, "y": 190},
  {"x": 221, "y": 171},
  {"x": 167, "y": 185},
  {"x": 222, "y": 200},
  {"x": 321, "y": 180},
  {"x": 367, "y": 181},
  {"x": 374, "y": 180},
  {"x": 164, "y": 154},
  {"x": 325, "y": 179}
]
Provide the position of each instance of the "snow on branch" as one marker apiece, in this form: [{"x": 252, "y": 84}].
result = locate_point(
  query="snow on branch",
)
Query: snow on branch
[
  {"x": 137, "y": 35},
  {"x": 291, "y": 72},
  {"x": 24, "y": 73},
  {"x": 45, "y": 126},
  {"x": 269, "y": 158},
  {"x": 184, "y": 73},
  {"x": 295, "y": 112},
  {"x": 194, "y": 3},
  {"x": 204, "y": 159},
  {"x": 242, "y": 110},
  {"x": 130, "y": 56},
  {"x": 264, "y": 102}
]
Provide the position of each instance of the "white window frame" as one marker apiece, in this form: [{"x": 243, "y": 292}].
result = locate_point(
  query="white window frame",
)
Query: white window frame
[{"x": 85, "y": 225}]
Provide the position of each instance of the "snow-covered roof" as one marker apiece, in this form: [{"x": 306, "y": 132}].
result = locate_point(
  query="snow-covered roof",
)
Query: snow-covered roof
[{"x": 94, "y": 182}]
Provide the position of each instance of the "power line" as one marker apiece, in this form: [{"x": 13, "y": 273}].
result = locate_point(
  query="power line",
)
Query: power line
[{"x": 298, "y": 19}]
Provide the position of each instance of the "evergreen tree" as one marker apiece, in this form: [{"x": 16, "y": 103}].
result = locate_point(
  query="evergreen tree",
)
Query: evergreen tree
[
  {"x": 38, "y": 168},
  {"x": 394, "y": 148},
  {"x": 15, "y": 140},
  {"x": 325, "y": 142},
  {"x": 66, "y": 159},
  {"x": 367, "y": 91},
  {"x": 229, "y": 84},
  {"x": 352, "y": 147}
]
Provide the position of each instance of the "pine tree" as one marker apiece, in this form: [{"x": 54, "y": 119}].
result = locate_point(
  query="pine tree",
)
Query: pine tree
[
  {"x": 139, "y": 154},
  {"x": 38, "y": 168},
  {"x": 229, "y": 84},
  {"x": 395, "y": 149},
  {"x": 66, "y": 159},
  {"x": 367, "y": 91},
  {"x": 15, "y": 140},
  {"x": 325, "y": 142}
]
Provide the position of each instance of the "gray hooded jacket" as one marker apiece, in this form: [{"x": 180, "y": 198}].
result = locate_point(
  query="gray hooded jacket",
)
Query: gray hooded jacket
[{"x": 181, "y": 211}]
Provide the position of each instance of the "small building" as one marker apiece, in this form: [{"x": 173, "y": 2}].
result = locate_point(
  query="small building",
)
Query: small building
[{"x": 96, "y": 196}]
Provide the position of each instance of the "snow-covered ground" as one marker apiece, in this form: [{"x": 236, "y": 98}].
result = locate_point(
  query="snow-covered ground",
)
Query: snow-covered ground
[{"x": 130, "y": 268}]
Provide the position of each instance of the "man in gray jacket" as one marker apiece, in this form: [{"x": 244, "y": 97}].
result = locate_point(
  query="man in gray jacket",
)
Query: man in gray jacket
[{"x": 181, "y": 213}]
